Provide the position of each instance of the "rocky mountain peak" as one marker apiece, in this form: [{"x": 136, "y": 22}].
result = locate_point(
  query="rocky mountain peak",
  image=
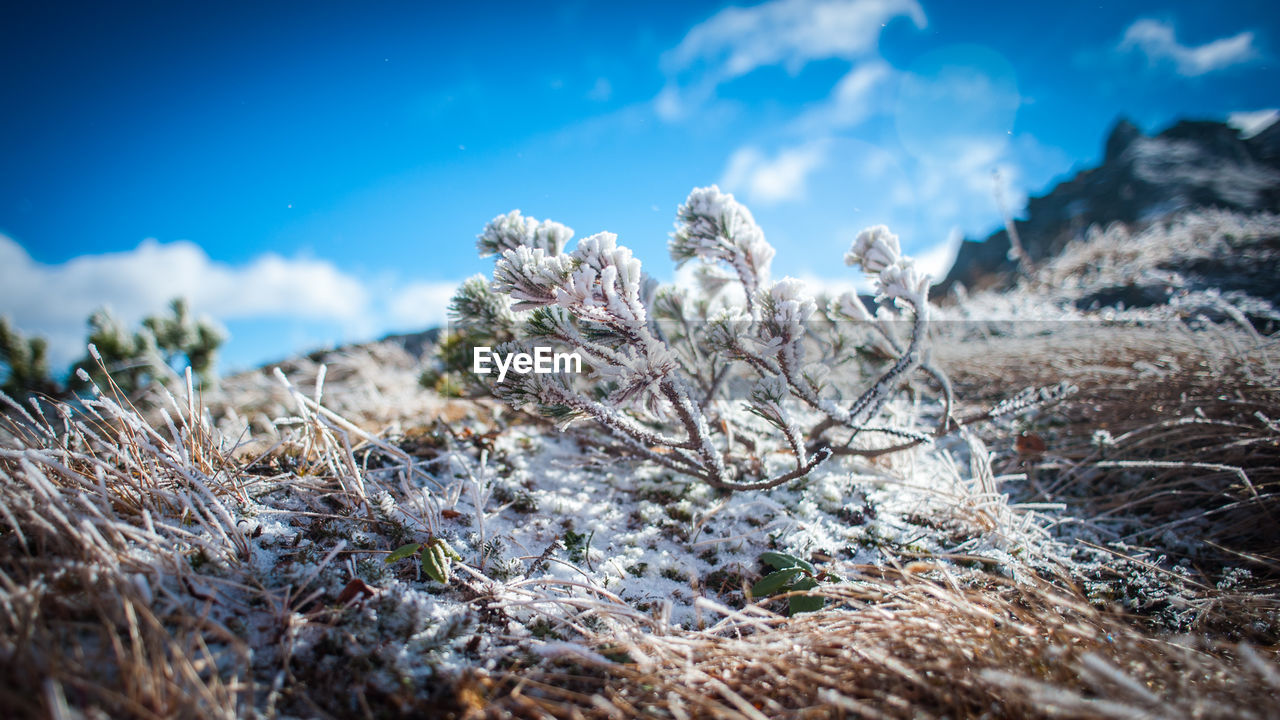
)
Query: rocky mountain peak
[
  {"x": 1194, "y": 163},
  {"x": 1122, "y": 135}
]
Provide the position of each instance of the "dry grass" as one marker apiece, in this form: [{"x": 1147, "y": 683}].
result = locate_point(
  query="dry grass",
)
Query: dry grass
[
  {"x": 1165, "y": 422},
  {"x": 86, "y": 496},
  {"x": 1193, "y": 442},
  {"x": 1170, "y": 450},
  {"x": 92, "y": 641},
  {"x": 920, "y": 643},
  {"x": 121, "y": 568},
  {"x": 128, "y": 583}
]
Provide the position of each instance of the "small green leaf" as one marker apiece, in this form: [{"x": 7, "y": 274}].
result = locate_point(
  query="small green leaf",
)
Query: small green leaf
[
  {"x": 773, "y": 582},
  {"x": 444, "y": 547},
  {"x": 805, "y": 603},
  {"x": 403, "y": 552},
  {"x": 785, "y": 561},
  {"x": 436, "y": 564}
]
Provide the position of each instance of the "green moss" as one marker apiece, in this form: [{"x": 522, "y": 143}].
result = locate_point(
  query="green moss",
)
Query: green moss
[
  {"x": 577, "y": 544},
  {"x": 725, "y": 580},
  {"x": 542, "y": 629},
  {"x": 372, "y": 571},
  {"x": 198, "y": 559},
  {"x": 673, "y": 573}
]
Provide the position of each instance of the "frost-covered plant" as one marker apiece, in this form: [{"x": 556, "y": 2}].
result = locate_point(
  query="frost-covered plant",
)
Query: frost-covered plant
[
  {"x": 158, "y": 351},
  {"x": 184, "y": 340},
  {"x": 154, "y": 352},
  {"x": 24, "y": 362},
  {"x": 664, "y": 364},
  {"x": 481, "y": 317}
]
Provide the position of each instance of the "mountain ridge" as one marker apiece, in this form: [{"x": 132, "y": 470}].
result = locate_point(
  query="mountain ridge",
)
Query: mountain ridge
[{"x": 1142, "y": 178}]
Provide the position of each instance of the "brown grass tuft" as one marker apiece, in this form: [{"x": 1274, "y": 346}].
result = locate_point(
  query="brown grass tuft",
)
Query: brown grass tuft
[{"x": 911, "y": 646}]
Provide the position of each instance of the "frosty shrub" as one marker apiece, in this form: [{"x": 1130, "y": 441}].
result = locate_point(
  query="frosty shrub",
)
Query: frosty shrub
[
  {"x": 158, "y": 351},
  {"x": 23, "y": 362},
  {"x": 153, "y": 353},
  {"x": 745, "y": 383}
]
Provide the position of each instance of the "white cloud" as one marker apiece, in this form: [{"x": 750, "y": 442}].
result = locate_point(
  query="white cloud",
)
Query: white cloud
[
  {"x": 959, "y": 187},
  {"x": 55, "y": 300},
  {"x": 1251, "y": 123},
  {"x": 420, "y": 305},
  {"x": 954, "y": 110},
  {"x": 851, "y": 101},
  {"x": 955, "y": 92},
  {"x": 668, "y": 104},
  {"x": 771, "y": 181},
  {"x": 937, "y": 260},
  {"x": 1157, "y": 40},
  {"x": 736, "y": 41},
  {"x": 955, "y": 186}
]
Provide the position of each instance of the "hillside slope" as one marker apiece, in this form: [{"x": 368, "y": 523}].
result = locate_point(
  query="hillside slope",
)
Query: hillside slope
[{"x": 1193, "y": 164}]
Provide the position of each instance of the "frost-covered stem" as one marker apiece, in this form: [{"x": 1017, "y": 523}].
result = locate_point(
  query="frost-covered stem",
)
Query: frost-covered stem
[
  {"x": 749, "y": 287},
  {"x": 836, "y": 416},
  {"x": 676, "y": 461},
  {"x": 1016, "y": 249},
  {"x": 696, "y": 426},
  {"x": 823, "y": 425},
  {"x": 1029, "y": 398},
  {"x": 948, "y": 423},
  {"x": 916, "y": 440},
  {"x": 870, "y": 402},
  {"x": 792, "y": 434},
  {"x": 707, "y": 386},
  {"x": 688, "y": 335},
  {"x": 612, "y": 418},
  {"x": 875, "y": 452},
  {"x": 1042, "y": 396},
  {"x": 799, "y": 472},
  {"x": 759, "y": 364},
  {"x": 888, "y": 337},
  {"x": 916, "y": 437},
  {"x": 714, "y": 227},
  {"x": 800, "y": 389},
  {"x": 948, "y": 397},
  {"x": 571, "y": 337},
  {"x": 710, "y": 385},
  {"x": 607, "y": 319},
  {"x": 717, "y": 379}
]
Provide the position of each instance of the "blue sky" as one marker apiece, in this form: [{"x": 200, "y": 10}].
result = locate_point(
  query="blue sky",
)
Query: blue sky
[{"x": 316, "y": 173}]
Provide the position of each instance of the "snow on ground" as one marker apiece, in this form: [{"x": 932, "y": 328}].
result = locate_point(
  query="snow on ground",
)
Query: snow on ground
[{"x": 551, "y": 532}]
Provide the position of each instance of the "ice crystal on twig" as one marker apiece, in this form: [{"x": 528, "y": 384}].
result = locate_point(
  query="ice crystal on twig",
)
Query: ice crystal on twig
[{"x": 513, "y": 230}]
